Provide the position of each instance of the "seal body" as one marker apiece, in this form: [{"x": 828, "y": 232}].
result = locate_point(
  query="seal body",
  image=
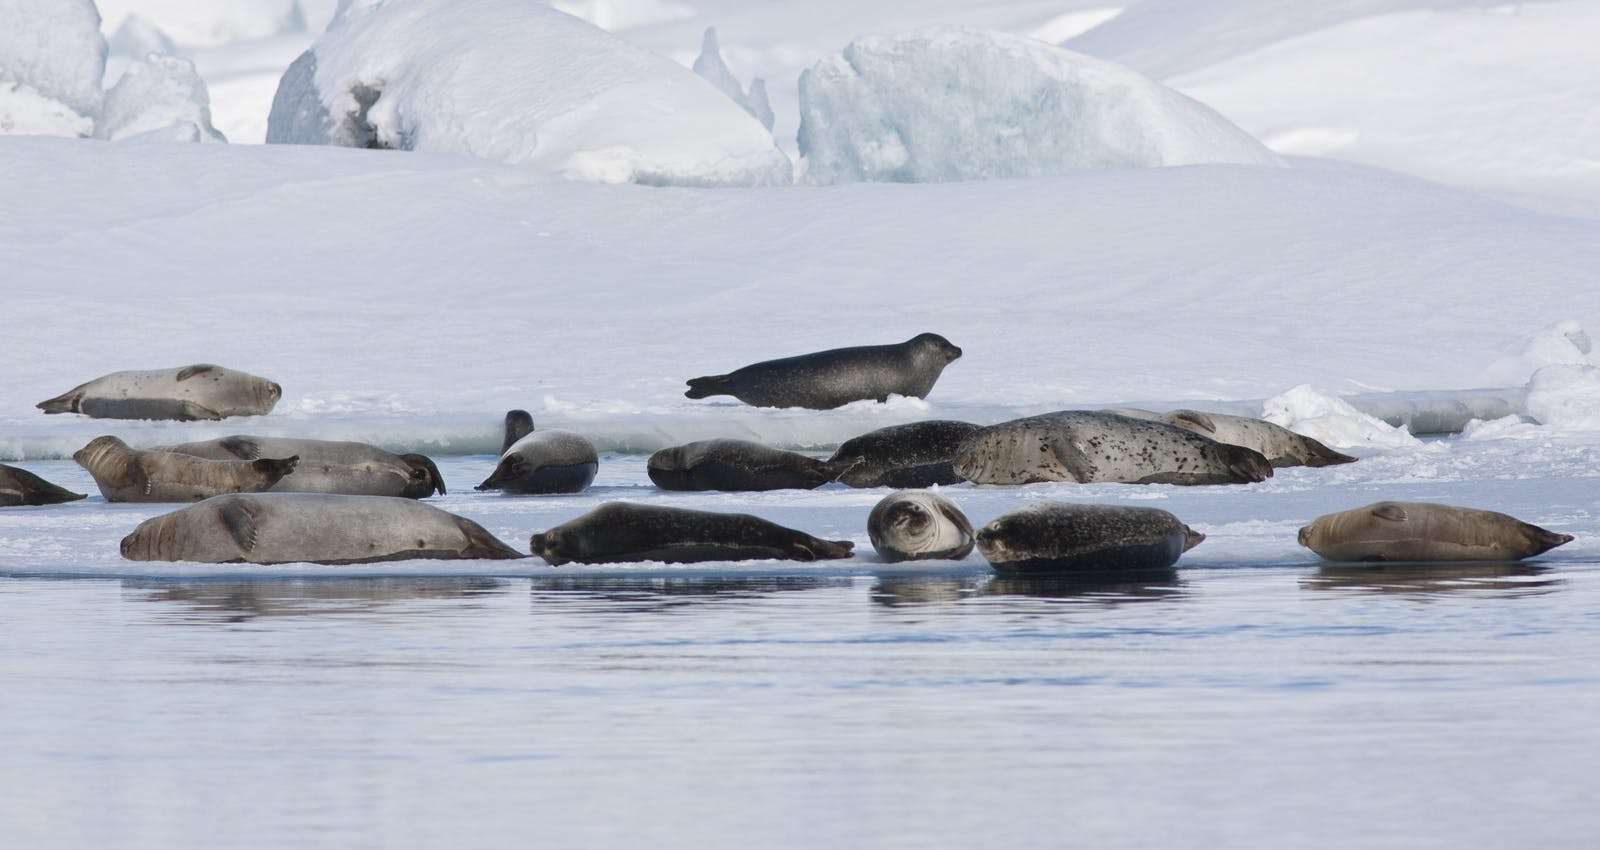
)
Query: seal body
[
  {"x": 622, "y": 531},
  {"x": 1279, "y": 445},
  {"x": 201, "y": 391},
  {"x": 1049, "y": 537},
  {"x": 1090, "y": 446},
  {"x": 328, "y": 466},
  {"x": 827, "y": 379},
  {"x": 737, "y": 465},
  {"x": 21, "y": 487},
  {"x": 1424, "y": 531},
  {"x": 913, "y": 525},
  {"x": 125, "y": 474},
  {"x": 913, "y": 455},
  {"x": 553, "y": 461},
  {"x": 319, "y": 528}
]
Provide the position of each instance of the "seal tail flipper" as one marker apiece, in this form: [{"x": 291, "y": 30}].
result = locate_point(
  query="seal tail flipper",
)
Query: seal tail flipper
[
  {"x": 814, "y": 549},
  {"x": 707, "y": 386},
  {"x": 837, "y": 466},
  {"x": 509, "y": 469},
  {"x": 1321, "y": 455},
  {"x": 276, "y": 467},
  {"x": 519, "y": 424},
  {"x": 1193, "y": 538},
  {"x": 67, "y": 402},
  {"x": 482, "y": 544},
  {"x": 1543, "y": 539},
  {"x": 425, "y": 470}
]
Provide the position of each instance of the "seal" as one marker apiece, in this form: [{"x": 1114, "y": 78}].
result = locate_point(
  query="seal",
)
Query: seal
[
  {"x": 1425, "y": 531},
  {"x": 551, "y": 461},
  {"x": 318, "y": 528},
  {"x": 125, "y": 474},
  {"x": 328, "y": 466},
  {"x": 1090, "y": 446},
  {"x": 915, "y": 525},
  {"x": 827, "y": 379},
  {"x": 618, "y": 532},
  {"x": 1049, "y": 537},
  {"x": 909, "y": 456},
  {"x": 1279, "y": 445},
  {"x": 738, "y": 465},
  {"x": 21, "y": 487},
  {"x": 201, "y": 391}
]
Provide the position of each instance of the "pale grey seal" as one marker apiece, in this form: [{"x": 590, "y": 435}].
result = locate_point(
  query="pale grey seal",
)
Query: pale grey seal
[
  {"x": 1279, "y": 445},
  {"x": 553, "y": 461},
  {"x": 1054, "y": 536},
  {"x": 827, "y": 379},
  {"x": 319, "y": 528},
  {"x": 1090, "y": 446},
  {"x": 738, "y": 465},
  {"x": 913, "y": 455},
  {"x": 623, "y": 531},
  {"x": 913, "y": 525},
  {"x": 125, "y": 474},
  {"x": 21, "y": 487},
  {"x": 201, "y": 391},
  {"x": 1424, "y": 531},
  {"x": 328, "y": 466}
]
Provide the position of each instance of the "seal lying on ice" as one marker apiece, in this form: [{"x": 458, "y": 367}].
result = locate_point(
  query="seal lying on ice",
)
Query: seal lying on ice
[
  {"x": 738, "y": 465},
  {"x": 328, "y": 466},
  {"x": 21, "y": 487},
  {"x": 126, "y": 474},
  {"x": 913, "y": 455},
  {"x": 201, "y": 391},
  {"x": 622, "y": 531},
  {"x": 1279, "y": 445},
  {"x": 1424, "y": 531},
  {"x": 827, "y": 379},
  {"x": 1059, "y": 536},
  {"x": 532, "y": 461},
  {"x": 914, "y": 525}
]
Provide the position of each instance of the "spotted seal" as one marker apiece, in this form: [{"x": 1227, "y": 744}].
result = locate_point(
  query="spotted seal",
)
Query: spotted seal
[
  {"x": 1279, "y": 445},
  {"x": 1091, "y": 446},
  {"x": 827, "y": 379},
  {"x": 909, "y": 456},
  {"x": 318, "y": 528},
  {"x": 623, "y": 531},
  {"x": 125, "y": 474},
  {"x": 913, "y": 525},
  {"x": 201, "y": 391},
  {"x": 21, "y": 487},
  {"x": 738, "y": 465},
  {"x": 328, "y": 466},
  {"x": 1062, "y": 536},
  {"x": 1425, "y": 531},
  {"x": 553, "y": 461}
]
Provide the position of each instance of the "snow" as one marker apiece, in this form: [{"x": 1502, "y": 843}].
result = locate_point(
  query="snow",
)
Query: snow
[
  {"x": 962, "y": 104},
  {"x": 207, "y": 23},
  {"x": 518, "y": 83},
  {"x": 51, "y": 59},
  {"x": 410, "y": 298}
]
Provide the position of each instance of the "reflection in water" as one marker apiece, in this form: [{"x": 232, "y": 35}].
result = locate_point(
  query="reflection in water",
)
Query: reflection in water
[
  {"x": 1112, "y": 586},
  {"x": 1511, "y": 578},
  {"x": 241, "y": 601},
  {"x": 617, "y": 594}
]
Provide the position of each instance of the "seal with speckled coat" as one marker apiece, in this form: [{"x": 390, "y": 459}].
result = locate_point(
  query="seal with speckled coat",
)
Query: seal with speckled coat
[
  {"x": 913, "y": 455},
  {"x": 328, "y": 466},
  {"x": 318, "y": 528},
  {"x": 1425, "y": 531},
  {"x": 201, "y": 391},
  {"x": 1091, "y": 446},
  {"x": 1279, "y": 445},
  {"x": 1061, "y": 536},
  {"x": 914, "y": 525},
  {"x": 619, "y": 532},
  {"x": 553, "y": 461},
  {"x": 125, "y": 474},
  {"x": 738, "y": 465},
  {"x": 827, "y": 379},
  {"x": 21, "y": 487}
]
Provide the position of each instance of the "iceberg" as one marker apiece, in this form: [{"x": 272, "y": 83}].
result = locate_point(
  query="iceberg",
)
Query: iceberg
[{"x": 52, "y": 57}]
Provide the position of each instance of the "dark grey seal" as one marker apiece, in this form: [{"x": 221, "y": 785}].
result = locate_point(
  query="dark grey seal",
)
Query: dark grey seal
[
  {"x": 738, "y": 465},
  {"x": 913, "y": 455},
  {"x": 21, "y": 487},
  {"x": 126, "y": 474},
  {"x": 318, "y": 528},
  {"x": 328, "y": 466},
  {"x": 618, "y": 532},
  {"x": 201, "y": 391},
  {"x": 1279, "y": 445},
  {"x": 827, "y": 379},
  {"x": 532, "y": 461},
  {"x": 914, "y": 525},
  {"x": 1061, "y": 536},
  {"x": 1424, "y": 531},
  {"x": 1090, "y": 446}
]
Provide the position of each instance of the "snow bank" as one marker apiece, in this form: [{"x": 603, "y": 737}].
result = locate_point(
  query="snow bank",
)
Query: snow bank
[
  {"x": 1332, "y": 420},
  {"x": 959, "y": 104},
  {"x": 207, "y": 23},
  {"x": 518, "y": 83},
  {"x": 1561, "y": 343},
  {"x": 52, "y": 57},
  {"x": 161, "y": 97},
  {"x": 1566, "y": 397}
]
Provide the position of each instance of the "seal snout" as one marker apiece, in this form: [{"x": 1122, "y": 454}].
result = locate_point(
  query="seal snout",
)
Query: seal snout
[{"x": 1305, "y": 536}]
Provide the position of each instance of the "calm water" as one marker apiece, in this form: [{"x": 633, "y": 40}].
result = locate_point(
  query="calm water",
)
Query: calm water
[{"x": 1267, "y": 706}]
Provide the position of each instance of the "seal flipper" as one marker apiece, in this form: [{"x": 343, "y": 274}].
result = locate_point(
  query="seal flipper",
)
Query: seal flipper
[
  {"x": 242, "y": 448},
  {"x": 954, "y": 514},
  {"x": 67, "y": 402},
  {"x": 519, "y": 424},
  {"x": 708, "y": 385},
  {"x": 275, "y": 467},
  {"x": 188, "y": 372},
  {"x": 1195, "y": 420},
  {"x": 482, "y": 544},
  {"x": 426, "y": 475},
  {"x": 1318, "y": 454},
  {"x": 837, "y": 467},
  {"x": 239, "y": 518},
  {"x": 1074, "y": 461},
  {"x": 1543, "y": 540},
  {"x": 509, "y": 469},
  {"x": 1247, "y": 465}
]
